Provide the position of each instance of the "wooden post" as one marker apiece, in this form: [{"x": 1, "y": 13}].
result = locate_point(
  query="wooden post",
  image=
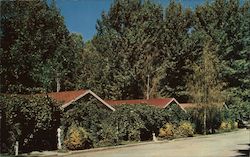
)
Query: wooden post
[
  {"x": 16, "y": 148},
  {"x": 59, "y": 144},
  {"x": 204, "y": 122},
  {"x": 154, "y": 138}
]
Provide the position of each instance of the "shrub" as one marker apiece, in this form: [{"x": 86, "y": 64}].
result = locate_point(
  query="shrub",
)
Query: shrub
[
  {"x": 167, "y": 131},
  {"x": 87, "y": 114},
  {"x": 31, "y": 120},
  {"x": 225, "y": 126},
  {"x": 77, "y": 138},
  {"x": 137, "y": 122},
  {"x": 108, "y": 135},
  {"x": 214, "y": 117},
  {"x": 234, "y": 125},
  {"x": 185, "y": 129},
  {"x": 175, "y": 114}
]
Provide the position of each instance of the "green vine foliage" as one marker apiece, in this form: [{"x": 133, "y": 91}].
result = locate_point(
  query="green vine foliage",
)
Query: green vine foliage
[
  {"x": 136, "y": 122},
  {"x": 127, "y": 123},
  {"x": 86, "y": 114},
  {"x": 30, "y": 120}
]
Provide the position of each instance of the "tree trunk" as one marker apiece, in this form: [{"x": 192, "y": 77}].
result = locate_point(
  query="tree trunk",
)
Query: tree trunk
[
  {"x": 204, "y": 122},
  {"x": 147, "y": 87},
  {"x": 58, "y": 85}
]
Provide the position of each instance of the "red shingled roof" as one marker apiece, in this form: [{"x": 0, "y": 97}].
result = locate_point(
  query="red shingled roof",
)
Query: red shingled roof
[
  {"x": 66, "y": 96},
  {"x": 160, "y": 102}
]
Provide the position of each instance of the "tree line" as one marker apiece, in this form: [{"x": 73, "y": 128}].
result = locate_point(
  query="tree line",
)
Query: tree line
[
  {"x": 199, "y": 55},
  {"x": 135, "y": 41}
]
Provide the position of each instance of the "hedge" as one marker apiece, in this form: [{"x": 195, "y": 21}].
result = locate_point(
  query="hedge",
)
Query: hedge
[
  {"x": 31, "y": 120},
  {"x": 128, "y": 123}
]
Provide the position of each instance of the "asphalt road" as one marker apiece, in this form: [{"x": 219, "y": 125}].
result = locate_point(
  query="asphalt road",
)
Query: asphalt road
[{"x": 233, "y": 144}]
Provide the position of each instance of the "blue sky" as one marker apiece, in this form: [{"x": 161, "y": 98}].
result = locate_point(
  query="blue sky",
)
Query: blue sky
[{"x": 81, "y": 15}]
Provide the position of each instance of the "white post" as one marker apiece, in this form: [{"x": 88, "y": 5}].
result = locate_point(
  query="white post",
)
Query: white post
[
  {"x": 59, "y": 144},
  {"x": 16, "y": 148},
  {"x": 154, "y": 138}
]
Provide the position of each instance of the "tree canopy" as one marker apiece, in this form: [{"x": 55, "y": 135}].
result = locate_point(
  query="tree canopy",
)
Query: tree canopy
[
  {"x": 37, "y": 50},
  {"x": 140, "y": 48}
]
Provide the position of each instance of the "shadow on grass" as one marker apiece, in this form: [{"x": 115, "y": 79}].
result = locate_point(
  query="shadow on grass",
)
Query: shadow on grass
[{"x": 243, "y": 152}]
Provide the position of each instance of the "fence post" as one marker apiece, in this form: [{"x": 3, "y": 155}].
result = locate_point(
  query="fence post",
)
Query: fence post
[
  {"x": 16, "y": 148},
  {"x": 154, "y": 138},
  {"x": 59, "y": 144}
]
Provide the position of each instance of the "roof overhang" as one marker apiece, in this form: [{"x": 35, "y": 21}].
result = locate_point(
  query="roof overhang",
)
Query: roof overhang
[
  {"x": 174, "y": 100},
  {"x": 84, "y": 94}
]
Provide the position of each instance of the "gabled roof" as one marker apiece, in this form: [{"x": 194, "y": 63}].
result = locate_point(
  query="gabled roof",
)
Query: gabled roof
[
  {"x": 159, "y": 102},
  {"x": 68, "y": 97}
]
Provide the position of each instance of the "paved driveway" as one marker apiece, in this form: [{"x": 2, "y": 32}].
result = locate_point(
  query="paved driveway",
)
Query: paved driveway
[{"x": 234, "y": 144}]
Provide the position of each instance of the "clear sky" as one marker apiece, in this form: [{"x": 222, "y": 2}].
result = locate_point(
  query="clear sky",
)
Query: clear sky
[{"x": 81, "y": 15}]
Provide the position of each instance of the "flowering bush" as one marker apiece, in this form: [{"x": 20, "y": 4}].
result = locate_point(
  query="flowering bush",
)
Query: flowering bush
[
  {"x": 77, "y": 138},
  {"x": 185, "y": 129},
  {"x": 225, "y": 126},
  {"x": 167, "y": 131}
]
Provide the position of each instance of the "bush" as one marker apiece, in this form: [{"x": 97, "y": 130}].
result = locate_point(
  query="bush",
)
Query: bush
[
  {"x": 185, "y": 129},
  {"x": 87, "y": 114},
  {"x": 214, "y": 117},
  {"x": 234, "y": 125},
  {"x": 108, "y": 135},
  {"x": 77, "y": 138},
  {"x": 167, "y": 131},
  {"x": 170, "y": 131},
  {"x": 136, "y": 122},
  {"x": 225, "y": 126},
  {"x": 31, "y": 120}
]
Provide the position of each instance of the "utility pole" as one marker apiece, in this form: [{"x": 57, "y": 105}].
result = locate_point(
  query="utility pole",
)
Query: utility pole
[{"x": 147, "y": 87}]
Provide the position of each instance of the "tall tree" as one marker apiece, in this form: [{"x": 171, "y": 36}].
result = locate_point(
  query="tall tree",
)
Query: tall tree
[
  {"x": 35, "y": 46},
  {"x": 205, "y": 86},
  {"x": 178, "y": 50},
  {"x": 127, "y": 37},
  {"x": 227, "y": 23}
]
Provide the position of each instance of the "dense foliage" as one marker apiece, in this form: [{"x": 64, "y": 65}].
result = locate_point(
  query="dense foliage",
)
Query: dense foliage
[
  {"x": 77, "y": 138},
  {"x": 135, "y": 41},
  {"x": 199, "y": 55},
  {"x": 31, "y": 120},
  {"x": 86, "y": 114},
  {"x": 205, "y": 87},
  {"x": 182, "y": 129},
  {"x": 127, "y": 123},
  {"x": 37, "y": 51}
]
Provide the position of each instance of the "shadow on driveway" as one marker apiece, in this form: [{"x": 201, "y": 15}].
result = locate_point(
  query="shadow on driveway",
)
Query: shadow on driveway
[{"x": 244, "y": 152}]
